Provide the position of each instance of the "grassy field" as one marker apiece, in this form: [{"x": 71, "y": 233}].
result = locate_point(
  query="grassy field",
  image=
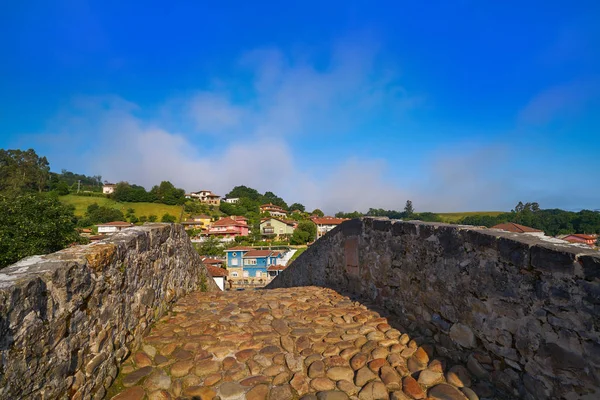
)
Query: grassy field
[
  {"x": 81, "y": 203},
  {"x": 454, "y": 217},
  {"x": 299, "y": 250}
]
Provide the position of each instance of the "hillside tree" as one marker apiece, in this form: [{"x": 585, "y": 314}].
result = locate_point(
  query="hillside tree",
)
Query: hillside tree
[{"x": 34, "y": 224}]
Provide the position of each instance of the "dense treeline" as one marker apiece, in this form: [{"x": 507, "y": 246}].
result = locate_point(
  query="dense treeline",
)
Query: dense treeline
[
  {"x": 552, "y": 221},
  {"x": 165, "y": 193}
]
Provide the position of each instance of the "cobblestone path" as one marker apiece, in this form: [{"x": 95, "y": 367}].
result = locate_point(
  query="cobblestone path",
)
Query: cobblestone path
[{"x": 283, "y": 344}]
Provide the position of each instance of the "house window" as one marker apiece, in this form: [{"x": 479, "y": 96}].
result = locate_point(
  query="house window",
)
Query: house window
[
  {"x": 280, "y": 230},
  {"x": 251, "y": 261},
  {"x": 246, "y": 275},
  {"x": 234, "y": 274},
  {"x": 234, "y": 254},
  {"x": 234, "y": 261}
]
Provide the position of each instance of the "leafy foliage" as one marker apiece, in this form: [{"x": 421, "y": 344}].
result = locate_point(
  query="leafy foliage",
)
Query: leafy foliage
[
  {"x": 211, "y": 247},
  {"x": 34, "y": 224},
  {"x": 318, "y": 213},
  {"x": 304, "y": 233},
  {"x": 22, "y": 171},
  {"x": 71, "y": 180},
  {"x": 297, "y": 206},
  {"x": 168, "y": 218},
  {"x": 96, "y": 214},
  {"x": 552, "y": 221},
  {"x": 166, "y": 193},
  {"x": 408, "y": 209}
]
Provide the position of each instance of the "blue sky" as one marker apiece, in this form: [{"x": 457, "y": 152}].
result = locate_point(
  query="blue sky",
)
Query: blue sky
[{"x": 463, "y": 105}]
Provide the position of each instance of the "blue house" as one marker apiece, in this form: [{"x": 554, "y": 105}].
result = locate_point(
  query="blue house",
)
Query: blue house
[
  {"x": 235, "y": 254},
  {"x": 254, "y": 263}
]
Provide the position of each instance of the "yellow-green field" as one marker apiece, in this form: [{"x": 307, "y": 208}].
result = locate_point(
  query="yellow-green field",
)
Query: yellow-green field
[
  {"x": 81, "y": 203},
  {"x": 454, "y": 217}
]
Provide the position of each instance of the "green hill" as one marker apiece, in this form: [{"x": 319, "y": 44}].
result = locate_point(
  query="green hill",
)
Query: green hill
[{"x": 81, "y": 203}]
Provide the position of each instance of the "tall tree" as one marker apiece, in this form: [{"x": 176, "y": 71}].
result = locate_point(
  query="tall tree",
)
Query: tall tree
[
  {"x": 317, "y": 212},
  {"x": 408, "y": 209},
  {"x": 22, "y": 171},
  {"x": 297, "y": 206}
]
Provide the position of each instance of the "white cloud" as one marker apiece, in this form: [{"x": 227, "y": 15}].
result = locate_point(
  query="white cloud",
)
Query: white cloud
[{"x": 249, "y": 141}]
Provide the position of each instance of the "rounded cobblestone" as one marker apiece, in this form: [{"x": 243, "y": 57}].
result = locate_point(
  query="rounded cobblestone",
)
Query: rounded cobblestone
[{"x": 298, "y": 343}]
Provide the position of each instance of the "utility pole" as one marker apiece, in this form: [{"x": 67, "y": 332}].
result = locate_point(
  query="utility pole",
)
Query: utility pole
[{"x": 78, "y": 185}]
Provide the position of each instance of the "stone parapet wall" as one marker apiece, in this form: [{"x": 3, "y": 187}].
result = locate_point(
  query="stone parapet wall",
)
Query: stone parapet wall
[
  {"x": 521, "y": 312},
  {"x": 69, "y": 318}
]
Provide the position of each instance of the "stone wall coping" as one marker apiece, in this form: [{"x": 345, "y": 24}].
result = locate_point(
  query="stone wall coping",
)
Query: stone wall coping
[
  {"x": 34, "y": 266},
  {"x": 546, "y": 242}
]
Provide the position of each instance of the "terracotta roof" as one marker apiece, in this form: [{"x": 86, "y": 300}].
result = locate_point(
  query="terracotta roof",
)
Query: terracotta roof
[
  {"x": 216, "y": 271},
  {"x": 273, "y": 207},
  {"x": 257, "y": 253},
  {"x": 285, "y": 221},
  {"x": 581, "y": 236},
  {"x": 223, "y": 232},
  {"x": 328, "y": 220},
  {"x": 212, "y": 261},
  {"x": 512, "y": 227},
  {"x": 116, "y": 223},
  {"x": 276, "y": 268},
  {"x": 228, "y": 222},
  {"x": 240, "y": 248}
]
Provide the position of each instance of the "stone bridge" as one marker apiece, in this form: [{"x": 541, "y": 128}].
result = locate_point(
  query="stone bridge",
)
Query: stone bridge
[{"x": 376, "y": 309}]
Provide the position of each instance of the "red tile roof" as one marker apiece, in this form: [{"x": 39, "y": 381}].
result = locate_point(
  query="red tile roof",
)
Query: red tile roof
[
  {"x": 229, "y": 222},
  {"x": 273, "y": 207},
  {"x": 582, "y": 236},
  {"x": 276, "y": 268},
  {"x": 240, "y": 248},
  {"x": 212, "y": 261},
  {"x": 285, "y": 221},
  {"x": 512, "y": 227},
  {"x": 216, "y": 271},
  {"x": 328, "y": 220},
  {"x": 116, "y": 223},
  {"x": 257, "y": 253}
]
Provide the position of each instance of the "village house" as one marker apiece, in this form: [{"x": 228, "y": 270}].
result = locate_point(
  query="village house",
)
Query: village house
[
  {"x": 517, "y": 228},
  {"x": 231, "y": 200},
  {"x": 273, "y": 210},
  {"x": 218, "y": 274},
  {"x": 108, "y": 188},
  {"x": 277, "y": 228},
  {"x": 215, "y": 262},
  {"x": 581, "y": 238},
  {"x": 206, "y": 197},
  {"x": 325, "y": 224},
  {"x": 228, "y": 228},
  {"x": 246, "y": 262},
  {"x": 113, "y": 227},
  {"x": 197, "y": 222}
]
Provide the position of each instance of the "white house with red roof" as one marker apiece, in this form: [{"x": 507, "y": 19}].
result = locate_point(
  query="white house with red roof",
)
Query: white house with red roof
[
  {"x": 218, "y": 274},
  {"x": 325, "y": 224},
  {"x": 205, "y": 196},
  {"x": 109, "y": 228},
  {"x": 274, "y": 210}
]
